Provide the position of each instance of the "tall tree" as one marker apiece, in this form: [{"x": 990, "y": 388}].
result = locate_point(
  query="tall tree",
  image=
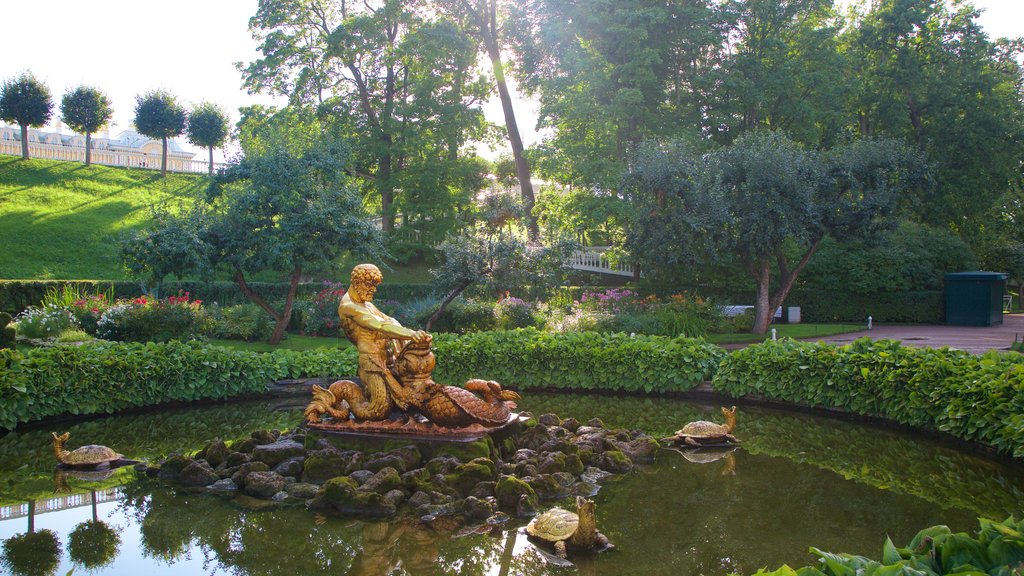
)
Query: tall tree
[
  {"x": 928, "y": 73},
  {"x": 400, "y": 78},
  {"x": 86, "y": 109},
  {"x": 208, "y": 127},
  {"x": 487, "y": 20},
  {"x": 782, "y": 70},
  {"x": 603, "y": 71},
  {"x": 158, "y": 115},
  {"x": 25, "y": 101},
  {"x": 279, "y": 210}
]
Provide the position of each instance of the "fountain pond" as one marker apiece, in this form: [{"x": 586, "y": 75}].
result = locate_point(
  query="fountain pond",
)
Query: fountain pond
[{"x": 797, "y": 480}]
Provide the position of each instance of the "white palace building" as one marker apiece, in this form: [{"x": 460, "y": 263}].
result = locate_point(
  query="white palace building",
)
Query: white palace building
[{"x": 129, "y": 149}]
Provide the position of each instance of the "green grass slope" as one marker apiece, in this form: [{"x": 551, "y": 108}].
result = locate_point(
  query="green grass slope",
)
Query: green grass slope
[{"x": 62, "y": 220}]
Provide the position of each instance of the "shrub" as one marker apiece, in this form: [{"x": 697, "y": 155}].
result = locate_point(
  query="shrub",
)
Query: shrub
[
  {"x": 463, "y": 315},
  {"x": 45, "y": 322},
  {"x": 147, "y": 320},
  {"x": 73, "y": 336},
  {"x": 88, "y": 310},
  {"x": 318, "y": 314},
  {"x": 246, "y": 322},
  {"x": 511, "y": 313},
  {"x": 8, "y": 334}
]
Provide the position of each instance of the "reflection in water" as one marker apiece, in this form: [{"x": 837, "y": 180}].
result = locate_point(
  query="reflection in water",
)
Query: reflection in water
[{"x": 796, "y": 481}]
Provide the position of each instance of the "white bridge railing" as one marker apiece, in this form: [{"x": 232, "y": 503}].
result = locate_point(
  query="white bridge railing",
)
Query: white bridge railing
[
  {"x": 595, "y": 259},
  {"x": 107, "y": 157}
]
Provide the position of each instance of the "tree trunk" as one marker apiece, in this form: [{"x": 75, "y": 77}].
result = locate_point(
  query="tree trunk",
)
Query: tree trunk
[
  {"x": 163, "y": 158},
  {"x": 280, "y": 319},
  {"x": 211, "y": 160},
  {"x": 387, "y": 194},
  {"x": 762, "y": 303},
  {"x": 88, "y": 148},
  {"x": 448, "y": 300},
  {"x": 24, "y": 141},
  {"x": 512, "y": 129},
  {"x": 286, "y": 316}
]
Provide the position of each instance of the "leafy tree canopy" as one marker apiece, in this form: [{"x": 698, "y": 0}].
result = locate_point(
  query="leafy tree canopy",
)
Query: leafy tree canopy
[
  {"x": 25, "y": 101},
  {"x": 86, "y": 109}
]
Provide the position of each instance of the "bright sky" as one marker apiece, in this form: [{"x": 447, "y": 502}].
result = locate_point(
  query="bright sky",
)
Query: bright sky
[{"x": 189, "y": 47}]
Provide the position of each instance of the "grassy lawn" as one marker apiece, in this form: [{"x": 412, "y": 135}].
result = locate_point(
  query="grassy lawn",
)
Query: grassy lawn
[
  {"x": 292, "y": 342},
  {"x": 61, "y": 220},
  {"x": 796, "y": 331}
]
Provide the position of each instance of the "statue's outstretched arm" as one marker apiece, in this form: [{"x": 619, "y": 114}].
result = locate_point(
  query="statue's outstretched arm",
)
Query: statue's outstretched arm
[{"x": 391, "y": 329}]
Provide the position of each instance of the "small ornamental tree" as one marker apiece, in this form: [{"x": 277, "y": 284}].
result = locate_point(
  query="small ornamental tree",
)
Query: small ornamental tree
[
  {"x": 25, "y": 101},
  {"x": 277, "y": 210},
  {"x": 86, "y": 109},
  {"x": 158, "y": 115},
  {"x": 768, "y": 202},
  {"x": 208, "y": 127}
]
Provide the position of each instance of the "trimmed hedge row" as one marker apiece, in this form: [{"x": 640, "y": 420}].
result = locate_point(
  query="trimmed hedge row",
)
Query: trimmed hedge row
[
  {"x": 977, "y": 398},
  {"x": 924, "y": 307},
  {"x": 17, "y": 295},
  {"x": 103, "y": 378},
  {"x": 583, "y": 361}
]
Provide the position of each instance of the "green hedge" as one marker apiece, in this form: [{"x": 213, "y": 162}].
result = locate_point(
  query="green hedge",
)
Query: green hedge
[
  {"x": 977, "y": 398},
  {"x": 16, "y": 295},
  {"x": 106, "y": 377},
  {"x": 924, "y": 307},
  {"x": 527, "y": 358},
  {"x": 103, "y": 378}
]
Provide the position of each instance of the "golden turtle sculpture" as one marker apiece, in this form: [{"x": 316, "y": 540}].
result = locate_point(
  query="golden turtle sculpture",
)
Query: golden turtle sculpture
[
  {"x": 703, "y": 433},
  {"x": 568, "y": 530},
  {"x": 91, "y": 456}
]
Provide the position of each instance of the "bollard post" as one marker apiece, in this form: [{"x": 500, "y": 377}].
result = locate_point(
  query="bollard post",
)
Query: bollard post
[
  {"x": 774, "y": 334},
  {"x": 869, "y": 322}
]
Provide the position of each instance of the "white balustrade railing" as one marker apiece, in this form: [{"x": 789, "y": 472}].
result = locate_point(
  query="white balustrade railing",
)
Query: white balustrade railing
[
  {"x": 595, "y": 259},
  {"x": 129, "y": 159}
]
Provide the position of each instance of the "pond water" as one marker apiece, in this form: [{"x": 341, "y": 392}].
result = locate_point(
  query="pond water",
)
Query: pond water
[{"x": 797, "y": 481}]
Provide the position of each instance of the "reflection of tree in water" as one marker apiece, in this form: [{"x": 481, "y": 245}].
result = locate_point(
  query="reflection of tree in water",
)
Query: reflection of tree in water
[
  {"x": 93, "y": 543},
  {"x": 32, "y": 553}
]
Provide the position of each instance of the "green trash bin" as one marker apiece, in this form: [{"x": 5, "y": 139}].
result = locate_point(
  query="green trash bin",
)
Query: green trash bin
[{"x": 975, "y": 298}]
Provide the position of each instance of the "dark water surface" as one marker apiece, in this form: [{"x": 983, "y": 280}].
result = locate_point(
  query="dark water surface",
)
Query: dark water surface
[{"x": 797, "y": 481}]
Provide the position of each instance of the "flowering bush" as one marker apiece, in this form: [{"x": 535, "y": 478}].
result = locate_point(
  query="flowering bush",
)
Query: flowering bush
[
  {"x": 611, "y": 300},
  {"x": 318, "y": 315},
  {"x": 145, "y": 319},
  {"x": 88, "y": 311},
  {"x": 511, "y": 312},
  {"x": 45, "y": 322}
]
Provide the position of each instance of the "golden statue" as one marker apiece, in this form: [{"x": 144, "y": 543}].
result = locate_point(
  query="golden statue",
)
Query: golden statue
[{"x": 395, "y": 367}]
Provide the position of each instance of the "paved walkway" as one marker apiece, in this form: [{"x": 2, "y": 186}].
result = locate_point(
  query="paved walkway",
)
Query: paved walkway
[{"x": 975, "y": 339}]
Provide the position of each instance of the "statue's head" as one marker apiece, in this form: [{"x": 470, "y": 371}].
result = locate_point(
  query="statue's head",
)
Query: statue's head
[{"x": 365, "y": 279}]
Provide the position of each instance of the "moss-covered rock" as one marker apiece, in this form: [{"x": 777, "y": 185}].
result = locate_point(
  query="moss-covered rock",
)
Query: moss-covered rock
[
  {"x": 574, "y": 464},
  {"x": 342, "y": 495},
  {"x": 170, "y": 469},
  {"x": 383, "y": 481},
  {"x": 245, "y": 469},
  {"x": 615, "y": 461},
  {"x": 323, "y": 465},
  {"x": 509, "y": 490},
  {"x": 468, "y": 475},
  {"x": 244, "y": 446}
]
